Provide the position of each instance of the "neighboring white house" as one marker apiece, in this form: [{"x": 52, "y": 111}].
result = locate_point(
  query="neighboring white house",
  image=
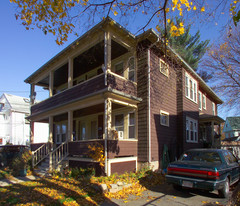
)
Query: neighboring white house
[
  {"x": 14, "y": 128},
  {"x": 232, "y": 127}
]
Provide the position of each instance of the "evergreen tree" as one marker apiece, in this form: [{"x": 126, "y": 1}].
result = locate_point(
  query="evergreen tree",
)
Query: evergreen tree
[{"x": 188, "y": 46}]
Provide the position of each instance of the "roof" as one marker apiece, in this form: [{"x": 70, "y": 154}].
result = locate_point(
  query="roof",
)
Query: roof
[
  {"x": 234, "y": 122},
  {"x": 147, "y": 34},
  {"x": 208, "y": 117},
  {"x": 17, "y": 103}
]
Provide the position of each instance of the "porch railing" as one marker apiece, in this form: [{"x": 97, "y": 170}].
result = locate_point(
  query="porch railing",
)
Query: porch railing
[
  {"x": 58, "y": 155},
  {"x": 40, "y": 154}
]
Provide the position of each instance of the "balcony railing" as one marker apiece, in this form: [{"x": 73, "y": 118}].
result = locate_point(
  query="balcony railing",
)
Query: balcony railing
[{"x": 115, "y": 83}]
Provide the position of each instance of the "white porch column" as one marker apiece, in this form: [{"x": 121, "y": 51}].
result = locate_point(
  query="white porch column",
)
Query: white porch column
[
  {"x": 107, "y": 54},
  {"x": 50, "y": 141},
  {"x": 70, "y": 72},
  {"x": 51, "y": 83},
  {"x": 107, "y": 126},
  {"x": 70, "y": 126},
  {"x": 32, "y": 101}
]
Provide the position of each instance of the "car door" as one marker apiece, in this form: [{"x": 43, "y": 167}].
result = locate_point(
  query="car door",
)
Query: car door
[{"x": 233, "y": 166}]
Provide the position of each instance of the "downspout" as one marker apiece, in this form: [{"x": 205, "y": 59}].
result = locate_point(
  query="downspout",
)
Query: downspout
[
  {"x": 149, "y": 101},
  {"x": 149, "y": 110}
]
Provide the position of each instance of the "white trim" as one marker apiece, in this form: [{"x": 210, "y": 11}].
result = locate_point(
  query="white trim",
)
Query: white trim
[
  {"x": 120, "y": 159},
  {"x": 200, "y": 100}
]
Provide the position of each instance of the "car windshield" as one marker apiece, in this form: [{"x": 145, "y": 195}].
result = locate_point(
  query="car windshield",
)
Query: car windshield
[{"x": 201, "y": 156}]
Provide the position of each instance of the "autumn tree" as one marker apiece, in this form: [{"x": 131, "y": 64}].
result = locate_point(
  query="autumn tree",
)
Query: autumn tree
[
  {"x": 224, "y": 62},
  {"x": 63, "y": 17}
]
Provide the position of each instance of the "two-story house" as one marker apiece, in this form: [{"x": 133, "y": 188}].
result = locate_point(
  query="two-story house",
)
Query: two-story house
[
  {"x": 128, "y": 94},
  {"x": 14, "y": 128}
]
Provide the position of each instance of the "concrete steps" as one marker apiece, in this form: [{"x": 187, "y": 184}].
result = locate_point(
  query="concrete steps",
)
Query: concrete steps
[{"x": 42, "y": 169}]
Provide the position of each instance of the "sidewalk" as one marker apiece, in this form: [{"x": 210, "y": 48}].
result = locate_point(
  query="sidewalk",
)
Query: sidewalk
[{"x": 15, "y": 180}]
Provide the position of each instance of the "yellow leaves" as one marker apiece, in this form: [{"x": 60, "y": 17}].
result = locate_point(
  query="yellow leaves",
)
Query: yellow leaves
[
  {"x": 96, "y": 152},
  {"x": 115, "y": 13},
  {"x": 202, "y": 9},
  {"x": 177, "y": 31},
  {"x": 194, "y": 8}
]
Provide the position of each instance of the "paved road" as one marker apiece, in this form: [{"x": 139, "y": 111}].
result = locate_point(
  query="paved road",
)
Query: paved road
[{"x": 165, "y": 195}]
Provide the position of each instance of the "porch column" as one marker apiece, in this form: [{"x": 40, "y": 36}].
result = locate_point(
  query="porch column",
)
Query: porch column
[
  {"x": 32, "y": 101},
  {"x": 51, "y": 83},
  {"x": 107, "y": 126},
  {"x": 70, "y": 72},
  {"x": 212, "y": 134},
  {"x": 50, "y": 141},
  {"x": 107, "y": 54},
  {"x": 70, "y": 126}
]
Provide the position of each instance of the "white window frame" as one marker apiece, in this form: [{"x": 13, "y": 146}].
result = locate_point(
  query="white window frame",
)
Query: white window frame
[
  {"x": 191, "y": 131},
  {"x": 163, "y": 64},
  {"x": 200, "y": 100},
  {"x": 214, "y": 108},
  {"x": 132, "y": 69},
  {"x": 163, "y": 115},
  {"x": 190, "y": 90},
  {"x": 204, "y": 102}
]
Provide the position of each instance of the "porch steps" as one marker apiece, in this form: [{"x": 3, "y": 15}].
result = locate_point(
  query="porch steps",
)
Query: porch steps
[{"x": 42, "y": 169}]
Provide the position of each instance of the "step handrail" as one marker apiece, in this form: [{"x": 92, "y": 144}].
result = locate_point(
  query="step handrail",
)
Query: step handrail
[
  {"x": 40, "y": 154},
  {"x": 58, "y": 154}
]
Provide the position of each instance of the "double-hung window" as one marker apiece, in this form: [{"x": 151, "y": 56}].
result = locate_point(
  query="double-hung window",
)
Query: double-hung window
[
  {"x": 191, "y": 130},
  {"x": 200, "y": 100},
  {"x": 131, "y": 69},
  {"x": 60, "y": 133},
  {"x": 214, "y": 108},
  {"x": 131, "y": 125},
  {"x": 190, "y": 88},
  {"x": 204, "y": 101},
  {"x": 164, "y": 118},
  {"x": 119, "y": 68}
]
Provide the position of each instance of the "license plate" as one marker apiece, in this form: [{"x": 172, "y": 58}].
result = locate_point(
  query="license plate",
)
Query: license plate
[{"x": 187, "y": 184}]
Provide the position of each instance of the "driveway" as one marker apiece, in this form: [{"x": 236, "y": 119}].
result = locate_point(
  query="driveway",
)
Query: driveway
[{"x": 165, "y": 195}]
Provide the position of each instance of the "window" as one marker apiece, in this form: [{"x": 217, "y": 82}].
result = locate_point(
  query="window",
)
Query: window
[
  {"x": 1, "y": 106},
  {"x": 93, "y": 129},
  {"x": 204, "y": 101},
  {"x": 131, "y": 125},
  {"x": 163, "y": 67},
  {"x": 61, "y": 133},
  {"x": 190, "y": 88},
  {"x": 200, "y": 100},
  {"x": 191, "y": 130},
  {"x": 119, "y": 122},
  {"x": 119, "y": 68},
  {"x": 131, "y": 69},
  {"x": 214, "y": 108},
  {"x": 164, "y": 118}
]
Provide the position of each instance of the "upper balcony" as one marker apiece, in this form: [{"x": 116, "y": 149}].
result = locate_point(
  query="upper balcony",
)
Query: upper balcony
[{"x": 102, "y": 63}]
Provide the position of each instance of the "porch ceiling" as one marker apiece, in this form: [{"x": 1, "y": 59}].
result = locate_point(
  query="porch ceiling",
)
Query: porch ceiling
[
  {"x": 88, "y": 60},
  {"x": 203, "y": 118}
]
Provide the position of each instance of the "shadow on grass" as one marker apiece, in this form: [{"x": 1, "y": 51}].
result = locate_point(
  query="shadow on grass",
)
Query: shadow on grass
[{"x": 53, "y": 191}]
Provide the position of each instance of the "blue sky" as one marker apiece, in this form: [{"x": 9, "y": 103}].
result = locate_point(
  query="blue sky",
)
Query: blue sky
[{"x": 22, "y": 52}]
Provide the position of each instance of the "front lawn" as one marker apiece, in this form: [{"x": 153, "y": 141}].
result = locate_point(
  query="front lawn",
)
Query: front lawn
[{"x": 75, "y": 191}]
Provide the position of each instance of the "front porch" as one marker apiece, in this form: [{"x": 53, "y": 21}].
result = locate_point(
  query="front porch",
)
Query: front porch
[
  {"x": 210, "y": 130},
  {"x": 111, "y": 123}
]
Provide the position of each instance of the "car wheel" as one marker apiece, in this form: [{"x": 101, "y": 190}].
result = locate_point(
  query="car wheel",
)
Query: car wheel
[
  {"x": 224, "y": 192},
  {"x": 177, "y": 187}
]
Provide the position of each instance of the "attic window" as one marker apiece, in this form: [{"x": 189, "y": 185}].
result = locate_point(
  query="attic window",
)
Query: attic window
[{"x": 163, "y": 67}]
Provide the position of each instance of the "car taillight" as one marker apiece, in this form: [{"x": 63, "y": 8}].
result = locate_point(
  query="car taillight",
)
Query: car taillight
[
  {"x": 213, "y": 175},
  {"x": 193, "y": 172}
]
